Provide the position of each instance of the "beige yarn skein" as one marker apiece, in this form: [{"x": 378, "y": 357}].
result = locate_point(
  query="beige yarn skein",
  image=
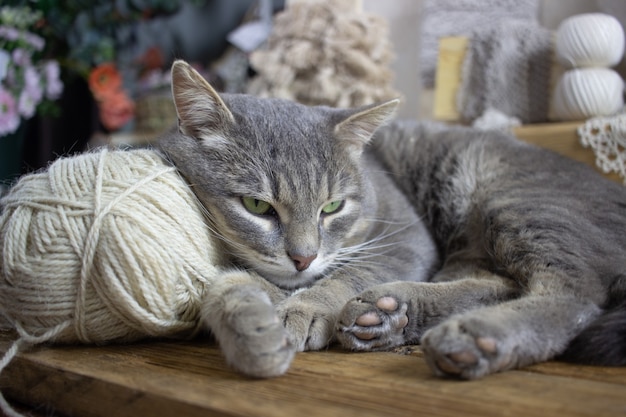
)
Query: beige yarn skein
[{"x": 107, "y": 246}]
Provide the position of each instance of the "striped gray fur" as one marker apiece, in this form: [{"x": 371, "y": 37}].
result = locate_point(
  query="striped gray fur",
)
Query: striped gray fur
[
  {"x": 289, "y": 271},
  {"x": 492, "y": 253},
  {"x": 534, "y": 255}
]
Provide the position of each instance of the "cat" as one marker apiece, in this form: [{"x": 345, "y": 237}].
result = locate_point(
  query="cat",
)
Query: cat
[
  {"x": 533, "y": 252},
  {"x": 304, "y": 215},
  {"x": 491, "y": 253}
]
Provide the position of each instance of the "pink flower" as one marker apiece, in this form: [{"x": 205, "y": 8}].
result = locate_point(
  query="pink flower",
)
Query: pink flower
[
  {"x": 36, "y": 42},
  {"x": 9, "y": 117},
  {"x": 9, "y": 33},
  {"x": 54, "y": 86},
  {"x": 12, "y": 34},
  {"x": 25, "y": 79},
  {"x": 31, "y": 78},
  {"x": 21, "y": 57},
  {"x": 31, "y": 94},
  {"x": 27, "y": 104}
]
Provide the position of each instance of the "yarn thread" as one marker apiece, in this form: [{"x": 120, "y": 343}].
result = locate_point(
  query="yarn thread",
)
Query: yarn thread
[
  {"x": 109, "y": 246},
  {"x": 589, "y": 44},
  {"x": 590, "y": 40},
  {"x": 586, "y": 92}
]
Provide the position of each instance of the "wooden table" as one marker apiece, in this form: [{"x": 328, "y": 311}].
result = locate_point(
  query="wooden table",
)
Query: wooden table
[{"x": 159, "y": 378}]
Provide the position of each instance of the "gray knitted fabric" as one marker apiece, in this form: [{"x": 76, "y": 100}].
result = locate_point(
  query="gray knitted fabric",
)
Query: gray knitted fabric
[
  {"x": 459, "y": 18},
  {"x": 507, "y": 68}
]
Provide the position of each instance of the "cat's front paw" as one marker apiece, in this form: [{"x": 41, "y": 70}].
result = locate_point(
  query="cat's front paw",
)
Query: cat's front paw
[
  {"x": 465, "y": 347},
  {"x": 249, "y": 331},
  {"x": 375, "y": 320},
  {"x": 309, "y": 322}
]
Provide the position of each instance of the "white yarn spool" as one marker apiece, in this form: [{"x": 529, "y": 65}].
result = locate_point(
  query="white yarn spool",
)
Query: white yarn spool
[
  {"x": 590, "y": 40},
  {"x": 104, "y": 247},
  {"x": 587, "y": 92}
]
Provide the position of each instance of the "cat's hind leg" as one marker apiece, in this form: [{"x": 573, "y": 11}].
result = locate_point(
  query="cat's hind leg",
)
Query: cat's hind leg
[
  {"x": 243, "y": 319},
  {"x": 516, "y": 333}
]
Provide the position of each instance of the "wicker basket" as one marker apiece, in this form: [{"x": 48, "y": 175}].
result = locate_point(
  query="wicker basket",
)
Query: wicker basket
[{"x": 155, "y": 112}]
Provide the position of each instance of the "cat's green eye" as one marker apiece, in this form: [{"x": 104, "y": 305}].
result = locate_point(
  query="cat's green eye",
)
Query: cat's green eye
[
  {"x": 332, "y": 207},
  {"x": 255, "y": 206}
]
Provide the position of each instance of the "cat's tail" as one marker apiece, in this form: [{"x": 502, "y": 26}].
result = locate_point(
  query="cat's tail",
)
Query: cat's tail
[{"x": 603, "y": 343}]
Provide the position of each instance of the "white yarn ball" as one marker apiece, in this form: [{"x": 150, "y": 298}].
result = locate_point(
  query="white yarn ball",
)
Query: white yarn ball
[
  {"x": 590, "y": 40},
  {"x": 588, "y": 92},
  {"x": 104, "y": 247}
]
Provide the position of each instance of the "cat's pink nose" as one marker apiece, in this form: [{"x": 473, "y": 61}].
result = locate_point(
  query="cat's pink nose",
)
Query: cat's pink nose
[{"x": 302, "y": 262}]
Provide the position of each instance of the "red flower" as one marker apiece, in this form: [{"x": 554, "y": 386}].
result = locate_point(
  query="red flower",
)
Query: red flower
[
  {"x": 116, "y": 110},
  {"x": 151, "y": 59},
  {"x": 104, "y": 80}
]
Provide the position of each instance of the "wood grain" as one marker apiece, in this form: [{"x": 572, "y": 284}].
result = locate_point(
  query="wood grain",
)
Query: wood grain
[
  {"x": 190, "y": 379},
  {"x": 561, "y": 138}
]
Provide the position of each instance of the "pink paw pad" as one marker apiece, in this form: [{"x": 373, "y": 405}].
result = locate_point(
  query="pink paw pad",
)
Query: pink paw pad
[{"x": 387, "y": 304}]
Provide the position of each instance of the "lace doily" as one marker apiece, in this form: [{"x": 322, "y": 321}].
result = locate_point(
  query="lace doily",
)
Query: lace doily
[{"x": 607, "y": 137}]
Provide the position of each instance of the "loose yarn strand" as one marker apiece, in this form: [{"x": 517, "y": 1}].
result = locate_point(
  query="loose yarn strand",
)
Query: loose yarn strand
[
  {"x": 16, "y": 347},
  {"x": 6, "y": 359}
]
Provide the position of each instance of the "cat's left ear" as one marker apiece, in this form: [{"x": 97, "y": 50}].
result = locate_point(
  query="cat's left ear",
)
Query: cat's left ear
[
  {"x": 357, "y": 129},
  {"x": 201, "y": 111}
]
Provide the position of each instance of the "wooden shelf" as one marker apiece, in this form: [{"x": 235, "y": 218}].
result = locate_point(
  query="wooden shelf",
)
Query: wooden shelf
[
  {"x": 561, "y": 138},
  {"x": 191, "y": 379}
]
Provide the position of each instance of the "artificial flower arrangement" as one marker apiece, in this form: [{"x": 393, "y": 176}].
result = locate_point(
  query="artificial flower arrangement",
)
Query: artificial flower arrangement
[
  {"x": 115, "y": 106},
  {"x": 97, "y": 43},
  {"x": 102, "y": 48},
  {"x": 27, "y": 81}
]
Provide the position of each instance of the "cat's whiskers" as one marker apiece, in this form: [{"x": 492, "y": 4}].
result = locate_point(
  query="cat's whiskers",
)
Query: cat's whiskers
[
  {"x": 361, "y": 255},
  {"x": 210, "y": 223},
  {"x": 207, "y": 215},
  {"x": 373, "y": 243}
]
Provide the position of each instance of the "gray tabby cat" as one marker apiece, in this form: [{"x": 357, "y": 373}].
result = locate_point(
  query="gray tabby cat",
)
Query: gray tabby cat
[
  {"x": 308, "y": 218},
  {"x": 529, "y": 247},
  {"x": 534, "y": 257}
]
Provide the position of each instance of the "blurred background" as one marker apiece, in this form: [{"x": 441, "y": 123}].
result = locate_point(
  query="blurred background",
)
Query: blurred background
[{"x": 81, "y": 73}]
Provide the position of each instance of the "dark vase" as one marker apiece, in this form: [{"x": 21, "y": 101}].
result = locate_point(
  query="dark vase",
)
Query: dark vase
[
  {"x": 11, "y": 147},
  {"x": 48, "y": 138}
]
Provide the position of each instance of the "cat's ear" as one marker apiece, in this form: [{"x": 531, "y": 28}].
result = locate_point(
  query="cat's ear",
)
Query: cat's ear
[
  {"x": 359, "y": 127},
  {"x": 201, "y": 111}
]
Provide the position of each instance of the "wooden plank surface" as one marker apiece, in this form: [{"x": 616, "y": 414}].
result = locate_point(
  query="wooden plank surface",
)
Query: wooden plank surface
[
  {"x": 562, "y": 138},
  {"x": 191, "y": 379}
]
